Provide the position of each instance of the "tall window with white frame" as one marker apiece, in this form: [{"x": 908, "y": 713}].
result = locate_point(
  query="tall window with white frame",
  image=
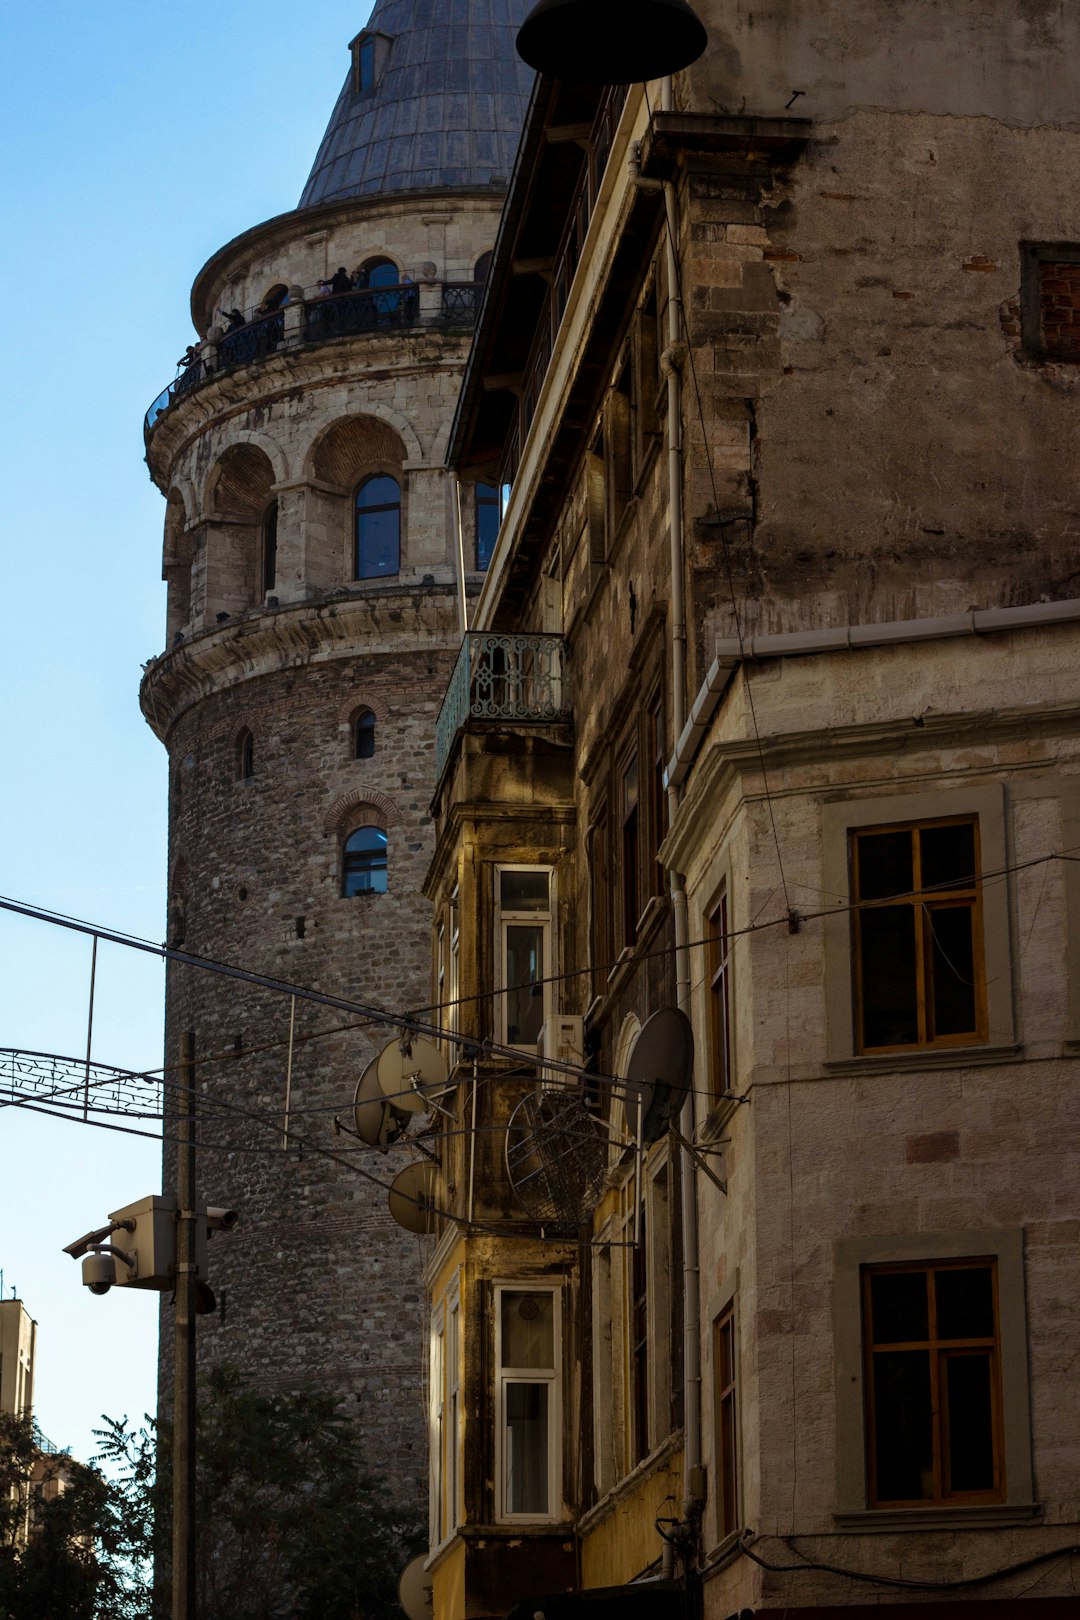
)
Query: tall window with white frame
[
  {"x": 528, "y": 1408},
  {"x": 436, "y": 1480},
  {"x": 452, "y": 1426},
  {"x": 523, "y": 930}
]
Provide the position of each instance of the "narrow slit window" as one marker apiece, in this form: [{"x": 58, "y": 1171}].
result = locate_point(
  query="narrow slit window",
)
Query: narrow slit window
[
  {"x": 269, "y": 547},
  {"x": 364, "y": 735}
]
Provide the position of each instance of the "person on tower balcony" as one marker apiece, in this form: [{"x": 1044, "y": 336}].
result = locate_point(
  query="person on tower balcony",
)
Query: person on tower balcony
[
  {"x": 233, "y": 319},
  {"x": 341, "y": 282}
]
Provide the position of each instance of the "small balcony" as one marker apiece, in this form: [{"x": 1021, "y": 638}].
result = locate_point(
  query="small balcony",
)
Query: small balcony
[
  {"x": 508, "y": 680},
  {"x": 316, "y": 318}
]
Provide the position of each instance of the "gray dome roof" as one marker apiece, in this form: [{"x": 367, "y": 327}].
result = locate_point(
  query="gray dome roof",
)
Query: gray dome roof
[{"x": 446, "y": 109}]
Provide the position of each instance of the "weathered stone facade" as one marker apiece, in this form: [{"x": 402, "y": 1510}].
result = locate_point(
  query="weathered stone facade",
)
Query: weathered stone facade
[
  {"x": 875, "y": 239},
  {"x": 274, "y": 650}
]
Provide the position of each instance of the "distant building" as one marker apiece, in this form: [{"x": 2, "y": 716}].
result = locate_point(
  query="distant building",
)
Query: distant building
[
  {"x": 315, "y": 581},
  {"x": 769, "y": 713},
  {"x": 18, "y": 1343}
]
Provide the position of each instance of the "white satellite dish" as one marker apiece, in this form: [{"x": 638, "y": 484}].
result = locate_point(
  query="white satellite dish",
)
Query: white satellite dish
[
  {"x": 414, "y": 1589},
  {"x": 378, "y": 1121},
  {"x": 410, "y": 1070},
  {"x": 412, "y": 1198},
  {"x": 659, "y": 1072}
]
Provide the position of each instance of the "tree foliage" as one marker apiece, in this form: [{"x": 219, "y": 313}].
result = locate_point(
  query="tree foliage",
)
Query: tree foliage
[
  {"x": 66, "y": 1551},
  {"x": 290, "y": 1525}
]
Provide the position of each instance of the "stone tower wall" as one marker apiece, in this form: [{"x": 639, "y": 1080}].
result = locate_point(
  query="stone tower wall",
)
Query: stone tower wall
[{"x": 318, "y": 1286}]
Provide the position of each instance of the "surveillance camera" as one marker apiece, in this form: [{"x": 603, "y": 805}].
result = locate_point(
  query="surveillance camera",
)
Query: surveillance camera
[
  {"x": 98, "y": 1273},
  {"x": 221, "y": 1220}
]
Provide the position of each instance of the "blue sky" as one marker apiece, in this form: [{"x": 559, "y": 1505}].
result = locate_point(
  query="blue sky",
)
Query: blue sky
[{"x": 137, "y": 138}]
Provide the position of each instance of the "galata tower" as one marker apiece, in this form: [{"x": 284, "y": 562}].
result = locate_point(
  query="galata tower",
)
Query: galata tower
[{"x": 313, "y": 569}]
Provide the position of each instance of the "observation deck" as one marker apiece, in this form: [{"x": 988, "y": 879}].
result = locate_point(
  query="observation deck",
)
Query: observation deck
[{"x": 307, "y": 318}]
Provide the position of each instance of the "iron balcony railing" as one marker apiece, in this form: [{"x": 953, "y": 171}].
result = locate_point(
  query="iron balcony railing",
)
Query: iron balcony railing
[
  {"x": 510, "y": 679},
  {"x": 316, "y": 319}
]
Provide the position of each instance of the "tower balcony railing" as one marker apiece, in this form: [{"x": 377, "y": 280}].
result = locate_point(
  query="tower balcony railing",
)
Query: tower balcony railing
[
  {"x": 317, "y": 318},
  {"x": 510, "y": 680}
]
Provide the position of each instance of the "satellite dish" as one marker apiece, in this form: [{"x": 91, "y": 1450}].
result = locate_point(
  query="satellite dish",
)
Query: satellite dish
[
  {"x": 414, "y": 1591},
  {"x": 409, "y": 1070},
  {"x": 412, "y": 1198},
  {"x": 556, "y": 1156},
  {"x": 659, "y": 1072},
  {"x": 378, "y": 1121}
]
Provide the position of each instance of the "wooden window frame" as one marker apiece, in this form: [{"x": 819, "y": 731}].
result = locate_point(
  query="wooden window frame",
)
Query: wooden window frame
[
  {"x": 718, "y": 970},
  {"x": 656, "y": 726},
  {"x": 629, "y": 862},
  {"x": 938, "y": 1351},
  {"x": 850, "y": 1257},
  {"x": 924, "y": 902},
  {"x": 726, "y": 1422}
]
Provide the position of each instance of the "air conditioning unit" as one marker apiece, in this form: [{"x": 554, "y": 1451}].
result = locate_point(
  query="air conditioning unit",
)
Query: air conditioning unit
[{"x": 563, "y": 1040}]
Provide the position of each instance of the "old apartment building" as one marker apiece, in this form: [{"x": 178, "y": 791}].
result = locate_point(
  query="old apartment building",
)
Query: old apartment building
[
  {"x": 767, "y": 713},
  {"x": 313, "y": 618}
]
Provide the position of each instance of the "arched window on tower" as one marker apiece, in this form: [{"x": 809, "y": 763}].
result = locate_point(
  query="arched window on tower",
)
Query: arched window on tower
[
  {"x": 378, "y": 272},
  {"x": 269, "y": 547},
  {"x": 275, "y": 298},
  {"x": 364, "y": 735},
  {"x": 487, "y": 523},
  {"x": 483, "y": 269},
  {"x": 378, "y": 528},
  {"x": 245, "y": 756},
  {"x": 363, "y": 867}
]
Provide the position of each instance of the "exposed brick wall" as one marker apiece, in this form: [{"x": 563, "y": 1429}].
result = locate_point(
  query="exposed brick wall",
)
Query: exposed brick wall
[{"x": 1059, "y": 310}]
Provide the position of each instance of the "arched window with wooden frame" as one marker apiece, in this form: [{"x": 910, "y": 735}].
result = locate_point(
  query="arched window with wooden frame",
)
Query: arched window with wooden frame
[
  {"x": 364, "y": 862},
  {"x": 377, "y": 527}
]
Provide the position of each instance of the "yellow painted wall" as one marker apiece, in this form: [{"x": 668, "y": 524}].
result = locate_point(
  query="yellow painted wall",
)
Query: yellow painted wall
[
  {"x": 448, "y": 1585},
  {"x": 626, "y": 1541}
]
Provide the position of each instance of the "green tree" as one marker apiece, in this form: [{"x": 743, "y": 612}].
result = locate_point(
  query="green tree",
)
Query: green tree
[
  {"x": 290, "y": 1525},
  {"x": 65, "y": 1548}
]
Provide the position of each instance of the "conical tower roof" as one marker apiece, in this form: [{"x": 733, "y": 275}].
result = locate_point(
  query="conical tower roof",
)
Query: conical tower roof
[{"x": 446, "y": 107}]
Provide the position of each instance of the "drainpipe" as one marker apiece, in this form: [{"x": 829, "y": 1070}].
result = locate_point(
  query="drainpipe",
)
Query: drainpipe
[
  {"x": 671, "y": 362},
  {"x": 459, "y": 553}
]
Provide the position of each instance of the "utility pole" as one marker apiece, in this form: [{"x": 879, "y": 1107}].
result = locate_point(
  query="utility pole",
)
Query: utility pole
[{"x": 183, "y": 1459}]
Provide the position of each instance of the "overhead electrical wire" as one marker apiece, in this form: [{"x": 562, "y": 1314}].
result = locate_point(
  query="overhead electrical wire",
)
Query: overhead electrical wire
[{"x": 413, "y": 1022}]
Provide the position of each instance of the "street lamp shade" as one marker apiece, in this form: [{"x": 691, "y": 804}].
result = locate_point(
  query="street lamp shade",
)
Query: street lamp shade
[{"x": 610, "y": 41}]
